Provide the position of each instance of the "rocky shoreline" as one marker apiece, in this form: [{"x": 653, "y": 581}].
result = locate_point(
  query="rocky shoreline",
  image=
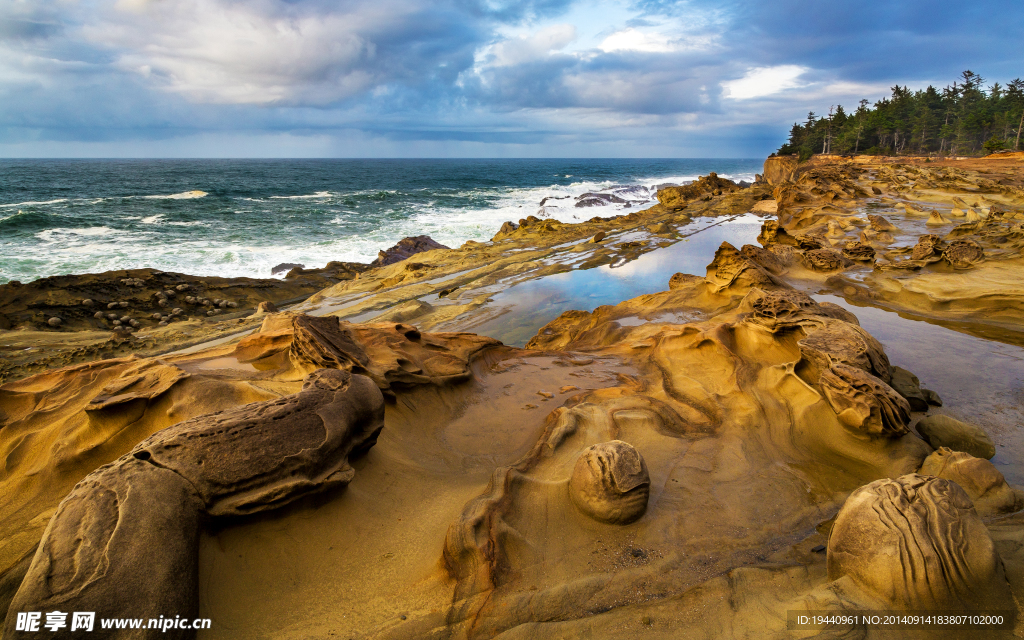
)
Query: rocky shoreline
[{"x": 695, "y": 462}]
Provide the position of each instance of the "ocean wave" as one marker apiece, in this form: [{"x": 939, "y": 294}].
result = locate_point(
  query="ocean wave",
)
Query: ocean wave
[
  {"x": 31, "y": 203},
  {"x": 152, "y": 219},
  {"x": 62, "y": 234},
  {"x": 312, "y": 196},
  {"x": 184, "y": 195}
]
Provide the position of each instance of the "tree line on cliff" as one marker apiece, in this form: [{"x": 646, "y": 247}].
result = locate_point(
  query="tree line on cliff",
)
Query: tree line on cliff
[{"x": 964, "y": 118}]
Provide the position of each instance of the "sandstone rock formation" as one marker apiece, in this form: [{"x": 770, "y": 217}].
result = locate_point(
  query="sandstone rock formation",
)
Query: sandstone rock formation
[
  {"x": 979, "y": 478},
  {"x": 405, "y": 248},
  {"x": 703, "y": 187},
  {"x": 945, "y": 431},
  {"x": 125, "y": 541},
  {"x": 916, "y": 543},
  {"x": 610, "y": 483}
]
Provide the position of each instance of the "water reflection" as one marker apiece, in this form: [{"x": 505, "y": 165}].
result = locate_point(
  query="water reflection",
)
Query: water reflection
[
  {"x": 979, "y": 380},
  {"x": 528, "y": 306}
]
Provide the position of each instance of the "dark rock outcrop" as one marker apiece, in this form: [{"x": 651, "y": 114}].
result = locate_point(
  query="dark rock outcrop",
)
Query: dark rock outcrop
[{"x": 405, "y": 248}]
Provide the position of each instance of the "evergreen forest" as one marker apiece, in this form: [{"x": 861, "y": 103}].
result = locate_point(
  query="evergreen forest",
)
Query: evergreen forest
[{"x": 964, "y": 118}]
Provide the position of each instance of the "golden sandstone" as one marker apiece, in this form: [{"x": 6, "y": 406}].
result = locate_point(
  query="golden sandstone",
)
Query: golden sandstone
[{"x": 705, "y": 440}]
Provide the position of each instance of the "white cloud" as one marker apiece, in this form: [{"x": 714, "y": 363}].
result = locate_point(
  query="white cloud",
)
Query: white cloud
[
  {"x": 532, "y": 47},
  {"x": 635, "y": 40},
  {"x": 237, "y": 54},
  {"x": 764, "y": 81}
]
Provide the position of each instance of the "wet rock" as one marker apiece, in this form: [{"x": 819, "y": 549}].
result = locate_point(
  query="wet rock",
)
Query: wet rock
[
  {"x": 984, "y": 484},
  {"x": 767, "y": 260},
  {"x": 908, "y": 386},
  {"x": 730, "y": 269},
  {"x": 598, "y": 200},
  {"x": 773, "y": 233},
  {"x": 944, "y": 431},
  {"x": 506, "y": 228},
  {"x": 285, "y": 267},
  {"x": 266, "y": 307},
  {"x": 936, "y": 219},
  {"x": 125, "y": 540},
  {"x": 859, "y": 251},
  {"x": 610, "y": 483},
  {"x": 878, "y": 223},
  {"x": 701, "y": 188},
  {"x": 405, "y": 248},
  {"x": 863, "y": 402},
  {"x": 598, "y": 237},
  {"x": 916, "y": 542},
  {"x": 823, "y": 260},
  {"x": 928, "y": 246},
  {"x": 680, "y": 280},
  {"x": 810, "y": 242},
  {"x": 963, "y": 253}
]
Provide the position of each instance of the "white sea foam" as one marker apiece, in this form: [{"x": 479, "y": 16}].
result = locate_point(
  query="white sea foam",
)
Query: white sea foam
[
  {"x": 312, "y": 196},
  {"x": 152, "y": 219},
  {"x": 185, "y": 195},
  {"x": 32, "y": 203}
]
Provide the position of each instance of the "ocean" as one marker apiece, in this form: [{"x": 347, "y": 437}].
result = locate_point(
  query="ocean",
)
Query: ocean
[{"x": 243, "y": 217}]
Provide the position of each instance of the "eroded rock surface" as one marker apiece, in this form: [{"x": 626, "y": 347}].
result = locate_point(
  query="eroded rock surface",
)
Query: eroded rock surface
[
  {"x": 945, "y": 431},
  {"x": 916, "y": 543},
  {"x": 610, "y": 483},
  {"x": 124, "y": 542},
  {"x": 978, "y": 477}
]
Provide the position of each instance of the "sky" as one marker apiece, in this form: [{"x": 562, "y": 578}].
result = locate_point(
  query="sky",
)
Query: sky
[{"x": 468, "y": 78}]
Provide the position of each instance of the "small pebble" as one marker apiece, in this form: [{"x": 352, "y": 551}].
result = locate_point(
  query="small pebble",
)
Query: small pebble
[
  {"x": 125, "y": 319},
  {"x": 545, "y": 394},
  {"x": 567, "y": 388},
  {"x": 122, "y": 304},
  {"x": 818, "y": 549},
  {"x": 162, "y": 303},
  {"x": 182, "y": 287},
  {"x": 112, "y": 305},
  {"x": 99, "y": 315},
  {"x": 87, "y": 302},
  {"x": 117, "y": 323},
  {"x": 155, "y": 316},
  {"x": 54, "y": 322},
  {"x": 162, "y": 324}
]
